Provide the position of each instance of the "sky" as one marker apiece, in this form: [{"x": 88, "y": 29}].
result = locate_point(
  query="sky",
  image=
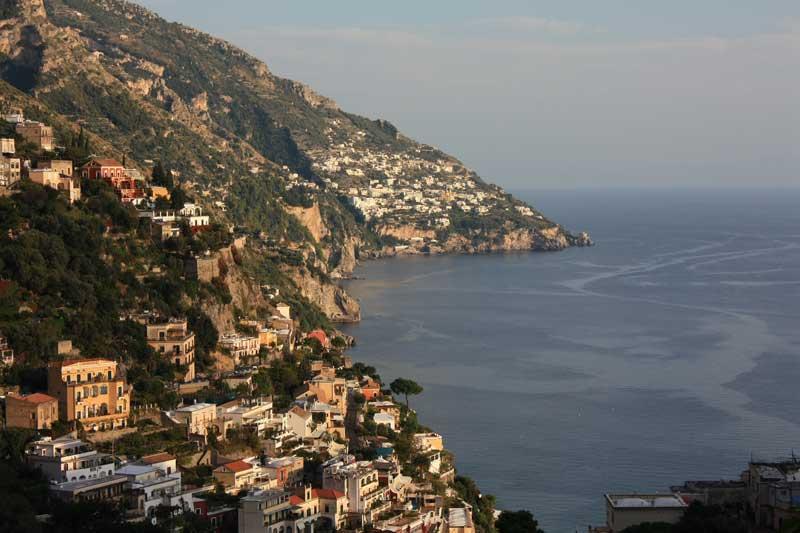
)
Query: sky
[{"x": 550, "y": 93}]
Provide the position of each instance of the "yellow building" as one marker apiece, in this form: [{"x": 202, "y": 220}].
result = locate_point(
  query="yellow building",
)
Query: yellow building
[
  {"x": 62, "y": 166},
  {"x": 240, "y": 475},
  {"x": 173, "y": 339},
  {"x": 330, "y": 390},
  {"x": 156, "y": 191},
  {"x": 428, "y": 442},
  {"x": 198, "y": 418},
  {"x": 91, "y": 391},
  {"x": 52, "y": 178},
  {"x": 267, "y": 337}
]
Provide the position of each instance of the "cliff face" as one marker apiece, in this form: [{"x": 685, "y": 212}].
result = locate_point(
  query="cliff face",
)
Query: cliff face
[
  {"x": 311, "y": 219},
  {"x": 332, "y": 299}
]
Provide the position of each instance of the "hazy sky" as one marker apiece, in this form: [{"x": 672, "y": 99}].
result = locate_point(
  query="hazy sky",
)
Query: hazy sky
[{"x": 548, "y": 93}]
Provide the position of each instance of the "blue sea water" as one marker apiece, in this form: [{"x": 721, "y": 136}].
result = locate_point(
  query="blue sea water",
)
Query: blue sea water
[{"x": 667, "y": 352}]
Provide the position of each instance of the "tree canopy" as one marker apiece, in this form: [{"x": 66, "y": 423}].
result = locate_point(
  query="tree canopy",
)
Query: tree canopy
[
  {"x": 517, "y": 522},
  {"x": 406, "y": 387}
]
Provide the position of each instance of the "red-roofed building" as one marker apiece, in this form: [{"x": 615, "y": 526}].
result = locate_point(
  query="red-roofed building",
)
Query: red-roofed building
[
  {"x": 166, "y": 462},
  {"x": 328, "y": 503},
  {"x": 286, "y": 471},
  {"x": 240, "y": 475},
  {"x": 321, "y": 337},
  {"x": 102, "y": 168},
  {"x": 34, "y": 411},
  {"x": 371, "y": 389},
  {"x": 128, "y": 186}
]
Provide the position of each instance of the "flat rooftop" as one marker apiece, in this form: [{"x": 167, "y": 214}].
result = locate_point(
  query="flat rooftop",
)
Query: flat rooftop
[
  {"x": 459, "y": 517},
  {"x": 640, "y": 501},
  {"x": 89, "y": 484},
  {"x": 194, "y": 407}
]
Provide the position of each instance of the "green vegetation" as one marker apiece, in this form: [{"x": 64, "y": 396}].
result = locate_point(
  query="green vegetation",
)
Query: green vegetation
[
  {"x": 701, "y": 518},
  {"x": 517, "y": 522},
  {"x": 482, "y": 504},
  {"x": 406, "y": 387}
]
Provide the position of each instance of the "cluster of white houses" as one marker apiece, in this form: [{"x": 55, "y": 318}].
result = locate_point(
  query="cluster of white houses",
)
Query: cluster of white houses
[{"x": 273, "y": 489}]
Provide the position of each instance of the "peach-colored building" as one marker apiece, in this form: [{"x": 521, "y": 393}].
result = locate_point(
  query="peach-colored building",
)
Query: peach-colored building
[
  {"x": 62, "y": 166},
  {"x": 33, "y": 411},
  {"x": 198, "y": 418},
  {"x": 330, "y": 390},
  {"x": 428, "y": 441},
  {"x": 174, "y": 340},
  {"x": 286, "y": 471},
  {"x": 240, "y": 475},
  {"x": 240, "y": 346},
  {"x": 93, "y": 392},
  {"x": 49, "y": 177}
]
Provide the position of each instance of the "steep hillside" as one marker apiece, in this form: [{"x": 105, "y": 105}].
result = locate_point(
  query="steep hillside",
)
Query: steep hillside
[{"x": 236, "y": 133}]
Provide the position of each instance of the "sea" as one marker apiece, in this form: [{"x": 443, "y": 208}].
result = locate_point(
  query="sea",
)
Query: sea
[{"x": 668, "y": 352}]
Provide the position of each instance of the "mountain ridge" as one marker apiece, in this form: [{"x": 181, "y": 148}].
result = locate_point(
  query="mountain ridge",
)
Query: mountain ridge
[{"x": 253, "y": 148}]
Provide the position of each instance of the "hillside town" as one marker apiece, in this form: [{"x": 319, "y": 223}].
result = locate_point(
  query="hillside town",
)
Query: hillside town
[
  {"x": 418, "y": 186},
  {"x": 218, "y": 447},
  {"x": 333, "y": 449}
]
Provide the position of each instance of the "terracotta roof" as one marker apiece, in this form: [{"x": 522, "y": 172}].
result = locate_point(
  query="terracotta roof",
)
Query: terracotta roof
[
  {"x": 37, "y": 397},
  {"x": 327, "y": 494},
  {"x": 319, "y": 335},
  {"x": 295, "y": 500},
  {"x": 238, "y": 466},
  {"x": 157, "y": 458}
]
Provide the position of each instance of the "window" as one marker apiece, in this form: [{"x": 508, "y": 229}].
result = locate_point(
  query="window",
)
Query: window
[
  {"x": 109, "y": 374},
  {"x": 119, "y": 390},
  {"x": 103, "y": 389}
]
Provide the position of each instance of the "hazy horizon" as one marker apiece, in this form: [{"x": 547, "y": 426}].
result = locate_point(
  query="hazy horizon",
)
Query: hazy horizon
[{"x": 549, "y": 94}]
